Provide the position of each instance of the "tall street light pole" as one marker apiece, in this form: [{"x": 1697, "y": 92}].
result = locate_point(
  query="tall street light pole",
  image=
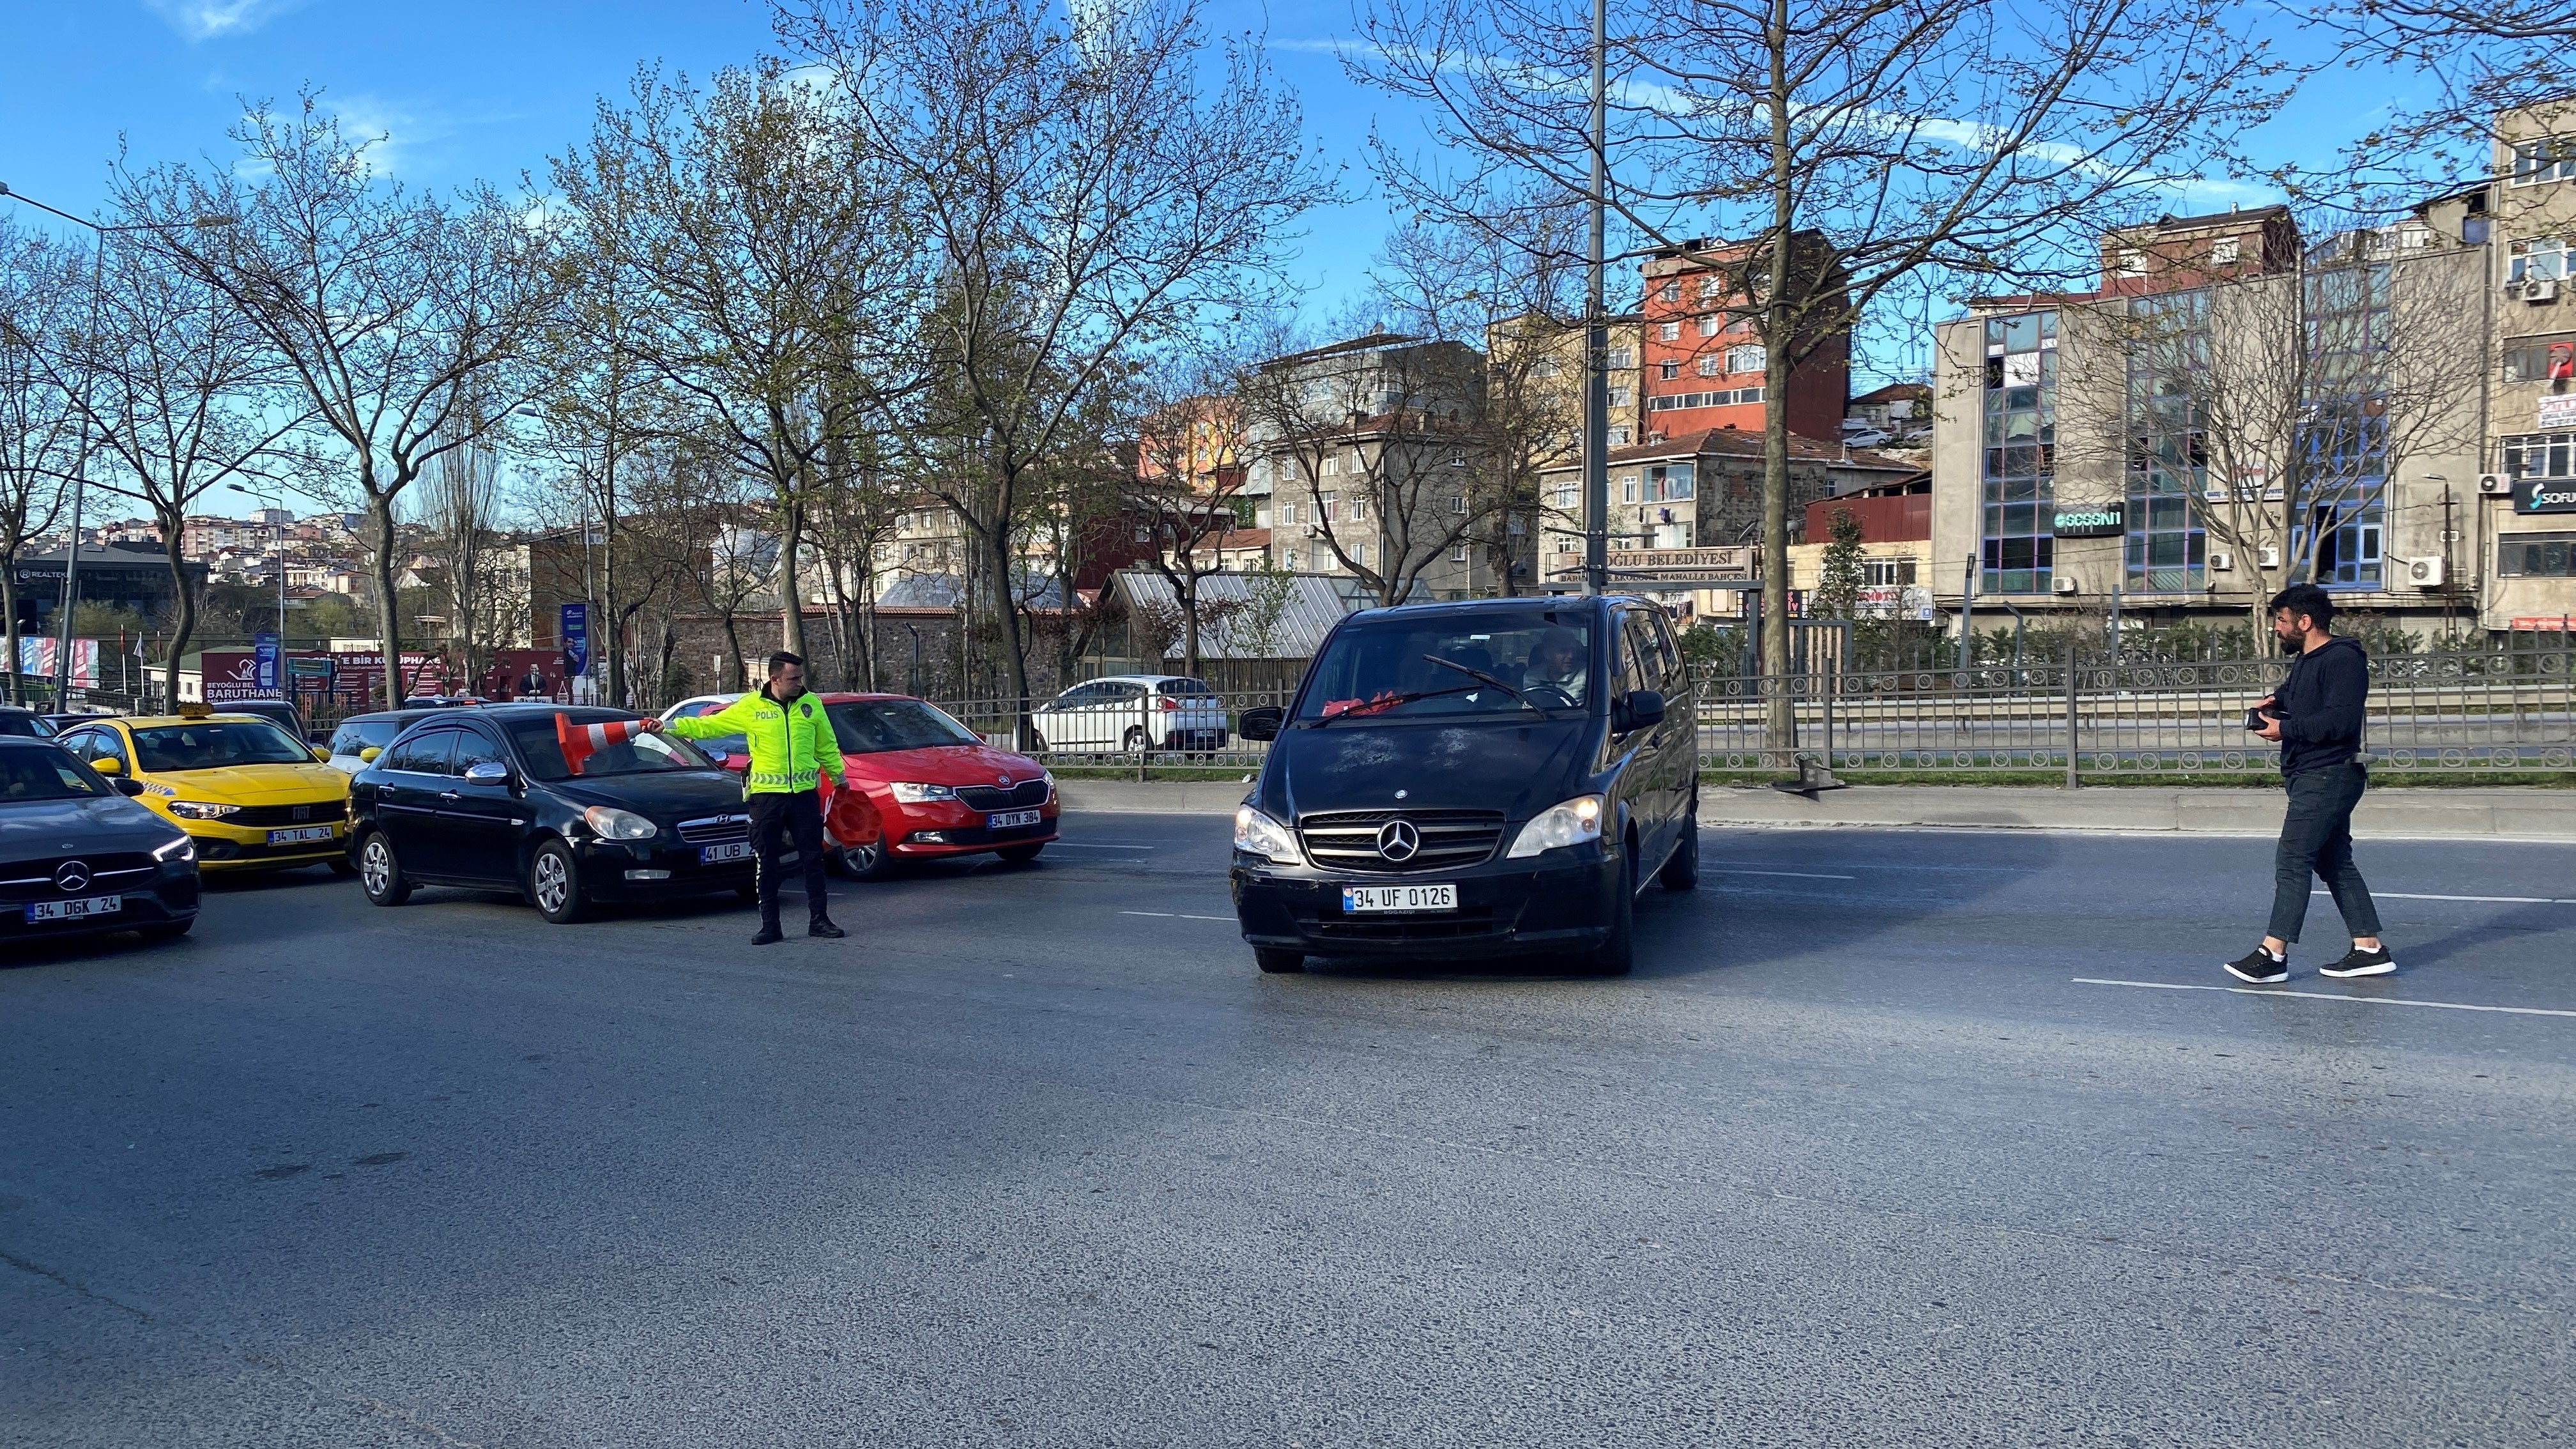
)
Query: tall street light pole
[
  {"x": 1596, "y": 329},
  {"x": 80, "y": 467}
]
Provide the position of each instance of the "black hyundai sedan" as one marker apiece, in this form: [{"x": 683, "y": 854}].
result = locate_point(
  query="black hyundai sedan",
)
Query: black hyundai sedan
[
  {"x": 1496, "y": 777},
  {"x": 78, "y": 857},
  {"x": 489, "y": 798}
]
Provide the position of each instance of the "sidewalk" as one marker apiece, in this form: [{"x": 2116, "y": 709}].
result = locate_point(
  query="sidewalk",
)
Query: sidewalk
[{"x": 2503, "y": 813}]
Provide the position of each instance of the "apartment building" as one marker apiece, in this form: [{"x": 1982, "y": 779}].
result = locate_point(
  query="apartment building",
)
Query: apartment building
[
  {"x": 1705, "y": 362},
  {"x": 2522, "y": 545}
]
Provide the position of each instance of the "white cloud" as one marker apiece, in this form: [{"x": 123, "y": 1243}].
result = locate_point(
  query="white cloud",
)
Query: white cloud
[
  {"x": 386, "y": 130},
  {"x": 214, "y": 19}
]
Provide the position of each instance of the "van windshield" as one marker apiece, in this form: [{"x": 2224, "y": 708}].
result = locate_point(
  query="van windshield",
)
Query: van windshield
[{"x": 1386, "y": 670}]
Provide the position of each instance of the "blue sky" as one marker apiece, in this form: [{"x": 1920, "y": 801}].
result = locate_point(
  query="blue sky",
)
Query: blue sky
[{"x": 468, "y": 89}]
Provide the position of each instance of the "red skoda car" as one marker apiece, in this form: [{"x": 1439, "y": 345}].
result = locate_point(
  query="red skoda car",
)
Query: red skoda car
[{"x": 938, "y": 789}]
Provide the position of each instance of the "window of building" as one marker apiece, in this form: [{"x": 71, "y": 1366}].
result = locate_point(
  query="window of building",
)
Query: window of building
[
  {"x": 1667, "y": 370},
  {"x": 1620, "y": 397},
  {"x": 2133, "y": 262},
  {"x": 1618, "y": 437},
  {"x": 2017, "y": 549},
  {"x": 2540, "y": 455},
  {"x": 1884, "y": 573},
  {"x": 1329, "y": 502},
  {"x": 1671, "y": 482},
  {"x": 2540, "y": 259},
  {"x": 1628, "y": 487},
  {"x": 2222, "y": 252},
  {"x": 1671, "y": 291},
  {"x": 1458, "y": 554},
  {"x": 1709, "y": 287},
  {"x": 2343, "y": 427},
  {"x": 2553, "y": 159},
  {"x": 1293, "y": 560},
  {"x": 1669, "y": 331},
  {"x": 1564, "y": 494},
  {"x": 2164, "y": 548},
  {"x": 1708, "y": 365},
  {"x": 1457, "y": 502},
  {"x": 1708, "y": 325},
  {"x": 2536, "y": 555},
  {"x": 2540, "y": 359},
  {"x": 1623, "y": 357},
  {"x": 1751, "y": 358}
]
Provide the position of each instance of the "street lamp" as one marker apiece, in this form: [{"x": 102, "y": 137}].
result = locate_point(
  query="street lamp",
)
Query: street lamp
[{"x": 80, "y": 468}]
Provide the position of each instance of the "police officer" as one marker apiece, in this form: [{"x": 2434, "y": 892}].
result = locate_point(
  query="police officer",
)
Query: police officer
[{"x": 792, "y": 745}]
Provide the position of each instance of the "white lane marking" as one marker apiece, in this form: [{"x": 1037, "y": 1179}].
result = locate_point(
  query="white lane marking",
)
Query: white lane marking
[
  {"x": 2498, "y": 900},
  {"x": 1081, "y": 845},
  {"x": 1791, "y": 874},
  {"x": 2324, "y": 996},
  {"x": 1175, "y": 916}
]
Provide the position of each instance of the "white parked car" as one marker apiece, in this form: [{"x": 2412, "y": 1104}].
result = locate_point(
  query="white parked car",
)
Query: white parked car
[{"x": 1126, "y": 713}]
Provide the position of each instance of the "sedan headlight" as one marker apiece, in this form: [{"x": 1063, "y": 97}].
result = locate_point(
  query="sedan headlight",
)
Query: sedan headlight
[
  {"x": 181, "y": 851},
  {"x": 1570, "y": 822},
  {"x": 615, "y": 824},
  {"x": 200, "y": 810},
  {"x": 911, "y": 793},
  {"x": 1258, "y": 834}
]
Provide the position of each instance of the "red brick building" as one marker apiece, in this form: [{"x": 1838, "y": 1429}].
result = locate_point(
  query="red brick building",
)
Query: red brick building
[{"x": 1703, "y": 360}]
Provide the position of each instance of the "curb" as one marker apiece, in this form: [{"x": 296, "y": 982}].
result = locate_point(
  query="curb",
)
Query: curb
[{"x": 2504, "y": 813}]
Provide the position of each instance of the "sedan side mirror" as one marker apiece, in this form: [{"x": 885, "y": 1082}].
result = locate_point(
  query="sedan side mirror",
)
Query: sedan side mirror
[
  {"x": 127, "y": 787},
  {"x": 108, "y": 765},
  {"x": 368, "y": 755},
  {"x": 1261, "y": 722},
  {"x": 487, "y": 772},
  {"x": 1640, "y": 709},
  {"x": 321, "y": 756}
]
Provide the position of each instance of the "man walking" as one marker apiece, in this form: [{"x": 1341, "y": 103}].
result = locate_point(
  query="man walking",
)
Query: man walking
[
  {"x": 2316, "y": 718},
  {"x": 792, "y": 745}
]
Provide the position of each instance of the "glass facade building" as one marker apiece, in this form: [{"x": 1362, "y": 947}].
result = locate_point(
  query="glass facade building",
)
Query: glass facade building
[
  {"x": 2020, "y": 468},
  {"x": 2164, "y": 547},
  {"x": 2343, "y": 433}
]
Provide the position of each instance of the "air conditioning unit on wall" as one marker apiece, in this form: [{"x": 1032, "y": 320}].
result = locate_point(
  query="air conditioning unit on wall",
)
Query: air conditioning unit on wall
[
  {"x": 2537, "y": 293},
  {"x": 2221, "y": 561},
  {"x": 2066, "y": 585},
  {"x": 2425, "y": 573},
  {"x": 2267, "y": 558},
  {"x": 2494, "y": 483}
]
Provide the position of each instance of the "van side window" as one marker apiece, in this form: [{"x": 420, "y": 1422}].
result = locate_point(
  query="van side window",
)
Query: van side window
[{"x": 1630, "y": 673}]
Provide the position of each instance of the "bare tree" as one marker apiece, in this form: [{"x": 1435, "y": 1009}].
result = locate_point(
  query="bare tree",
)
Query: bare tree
[
  {"x": 1089, "y": 190},
  {"x": 400, "y": 319},
  {"x": 1852, "y": 148},
  {"x": 1190, "y": 472},
  {"x": 776, "y": 270},
  {"x": 462, "y": 535},
  {"x": 39, "y": 421},
  {"x": 181, "y": 394},
  {"x": 2473, "y": 59}
]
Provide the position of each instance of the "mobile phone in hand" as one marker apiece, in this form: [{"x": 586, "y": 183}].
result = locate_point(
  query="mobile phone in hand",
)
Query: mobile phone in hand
[{"x": 2255, "y": 719}]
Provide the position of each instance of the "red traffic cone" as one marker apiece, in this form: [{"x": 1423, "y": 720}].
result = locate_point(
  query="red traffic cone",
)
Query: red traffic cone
[{"x": 581, "y": 741}]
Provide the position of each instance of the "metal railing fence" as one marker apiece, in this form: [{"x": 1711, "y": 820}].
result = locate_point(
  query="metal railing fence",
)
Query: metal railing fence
[{"x": 2496, "y": 713}]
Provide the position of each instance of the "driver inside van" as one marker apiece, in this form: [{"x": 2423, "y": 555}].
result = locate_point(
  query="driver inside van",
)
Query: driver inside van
[{"x": 1556, "y": 662}]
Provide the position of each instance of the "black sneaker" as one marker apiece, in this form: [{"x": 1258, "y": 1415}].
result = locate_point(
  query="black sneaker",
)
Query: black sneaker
[
  {"x": 769, "y": 935},
  {"x": 822, "y": 926},
  {"x": 2358, "y": 962},
  {"x": 2260, "y": 967}
]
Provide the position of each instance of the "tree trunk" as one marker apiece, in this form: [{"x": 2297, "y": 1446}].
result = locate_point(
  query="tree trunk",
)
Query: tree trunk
[
  {"x": 173, "y": 528},
  {"x": 380, "y": 511},
  {"x": 9, "y": 612},
  {"x": 791, "y": 598},
  {"x": 1780, "y": 719},
  {"x": 1190, "y": 618},
  {"x": 1015, "y": 664},
  {"x": 733, "y": 643}
]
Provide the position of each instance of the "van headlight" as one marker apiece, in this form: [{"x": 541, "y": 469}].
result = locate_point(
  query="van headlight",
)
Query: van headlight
[
  {"x": 616, "y": 824},
  {"x": 913, "y": 793},
  {"x": 1258, "y": 834},
  {"x": 201, "y": 810},
  {"x": 1570, "y": 823},
  {"x": 180, "y": 851}
]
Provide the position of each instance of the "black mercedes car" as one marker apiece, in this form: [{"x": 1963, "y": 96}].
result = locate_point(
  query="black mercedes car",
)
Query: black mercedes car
[
  {"x": 487, "y": 797},
  {"x": 1494, "y": 777},
  {"x": 77, "y": 856}
]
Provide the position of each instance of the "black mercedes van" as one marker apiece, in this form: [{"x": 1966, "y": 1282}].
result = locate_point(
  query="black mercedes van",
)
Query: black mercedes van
[{"x": 1493, "y": 777}]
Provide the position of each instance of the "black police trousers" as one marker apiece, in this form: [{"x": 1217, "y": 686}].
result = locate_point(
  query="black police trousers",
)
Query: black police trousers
[{"x": 776, "y": 818}]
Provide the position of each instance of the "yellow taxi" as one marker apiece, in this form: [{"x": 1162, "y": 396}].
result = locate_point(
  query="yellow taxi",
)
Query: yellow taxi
[{"x": 251, "y": 795}]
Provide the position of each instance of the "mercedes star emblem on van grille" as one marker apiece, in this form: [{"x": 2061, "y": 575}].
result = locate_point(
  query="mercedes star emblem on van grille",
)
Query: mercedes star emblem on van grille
[
  {"x": 1398, "y": 840},
  {"x": 72, "y": 875}
]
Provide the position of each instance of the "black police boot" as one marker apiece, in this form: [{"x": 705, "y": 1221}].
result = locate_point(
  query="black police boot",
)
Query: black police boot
[
  {"x": 769, "y": 935},
  {"x": 822, "y": 926}
]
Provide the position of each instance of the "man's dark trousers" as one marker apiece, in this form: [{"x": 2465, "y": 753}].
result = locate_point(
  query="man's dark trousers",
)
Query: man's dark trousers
[
  {"x": 2316, "y": 839},
  {"x": 776, "y": 817}
]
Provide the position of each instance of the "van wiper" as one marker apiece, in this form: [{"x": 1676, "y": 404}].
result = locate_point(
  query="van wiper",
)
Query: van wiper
[
  {"x": 1387, "y": 702},
  {"x": 1477, "y": 674}
]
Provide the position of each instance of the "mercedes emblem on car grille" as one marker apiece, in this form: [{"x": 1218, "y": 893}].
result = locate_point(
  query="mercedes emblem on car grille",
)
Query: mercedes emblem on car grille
[
  {"x": 1397, "y": 840},
  {"x": 72, "y": 875}
]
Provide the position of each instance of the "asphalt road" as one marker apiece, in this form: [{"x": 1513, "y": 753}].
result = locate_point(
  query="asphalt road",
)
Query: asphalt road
[{"x": 1036, "y": 1157}]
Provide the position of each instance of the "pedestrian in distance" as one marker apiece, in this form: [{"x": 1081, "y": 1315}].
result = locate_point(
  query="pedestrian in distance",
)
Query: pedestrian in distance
[
  {"x": 2315, "y": 717},
  {"x": 792, "y": 748}
]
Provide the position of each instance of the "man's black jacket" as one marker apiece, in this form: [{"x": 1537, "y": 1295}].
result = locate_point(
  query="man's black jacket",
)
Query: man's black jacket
[{"x": 2320, "y": 706}]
